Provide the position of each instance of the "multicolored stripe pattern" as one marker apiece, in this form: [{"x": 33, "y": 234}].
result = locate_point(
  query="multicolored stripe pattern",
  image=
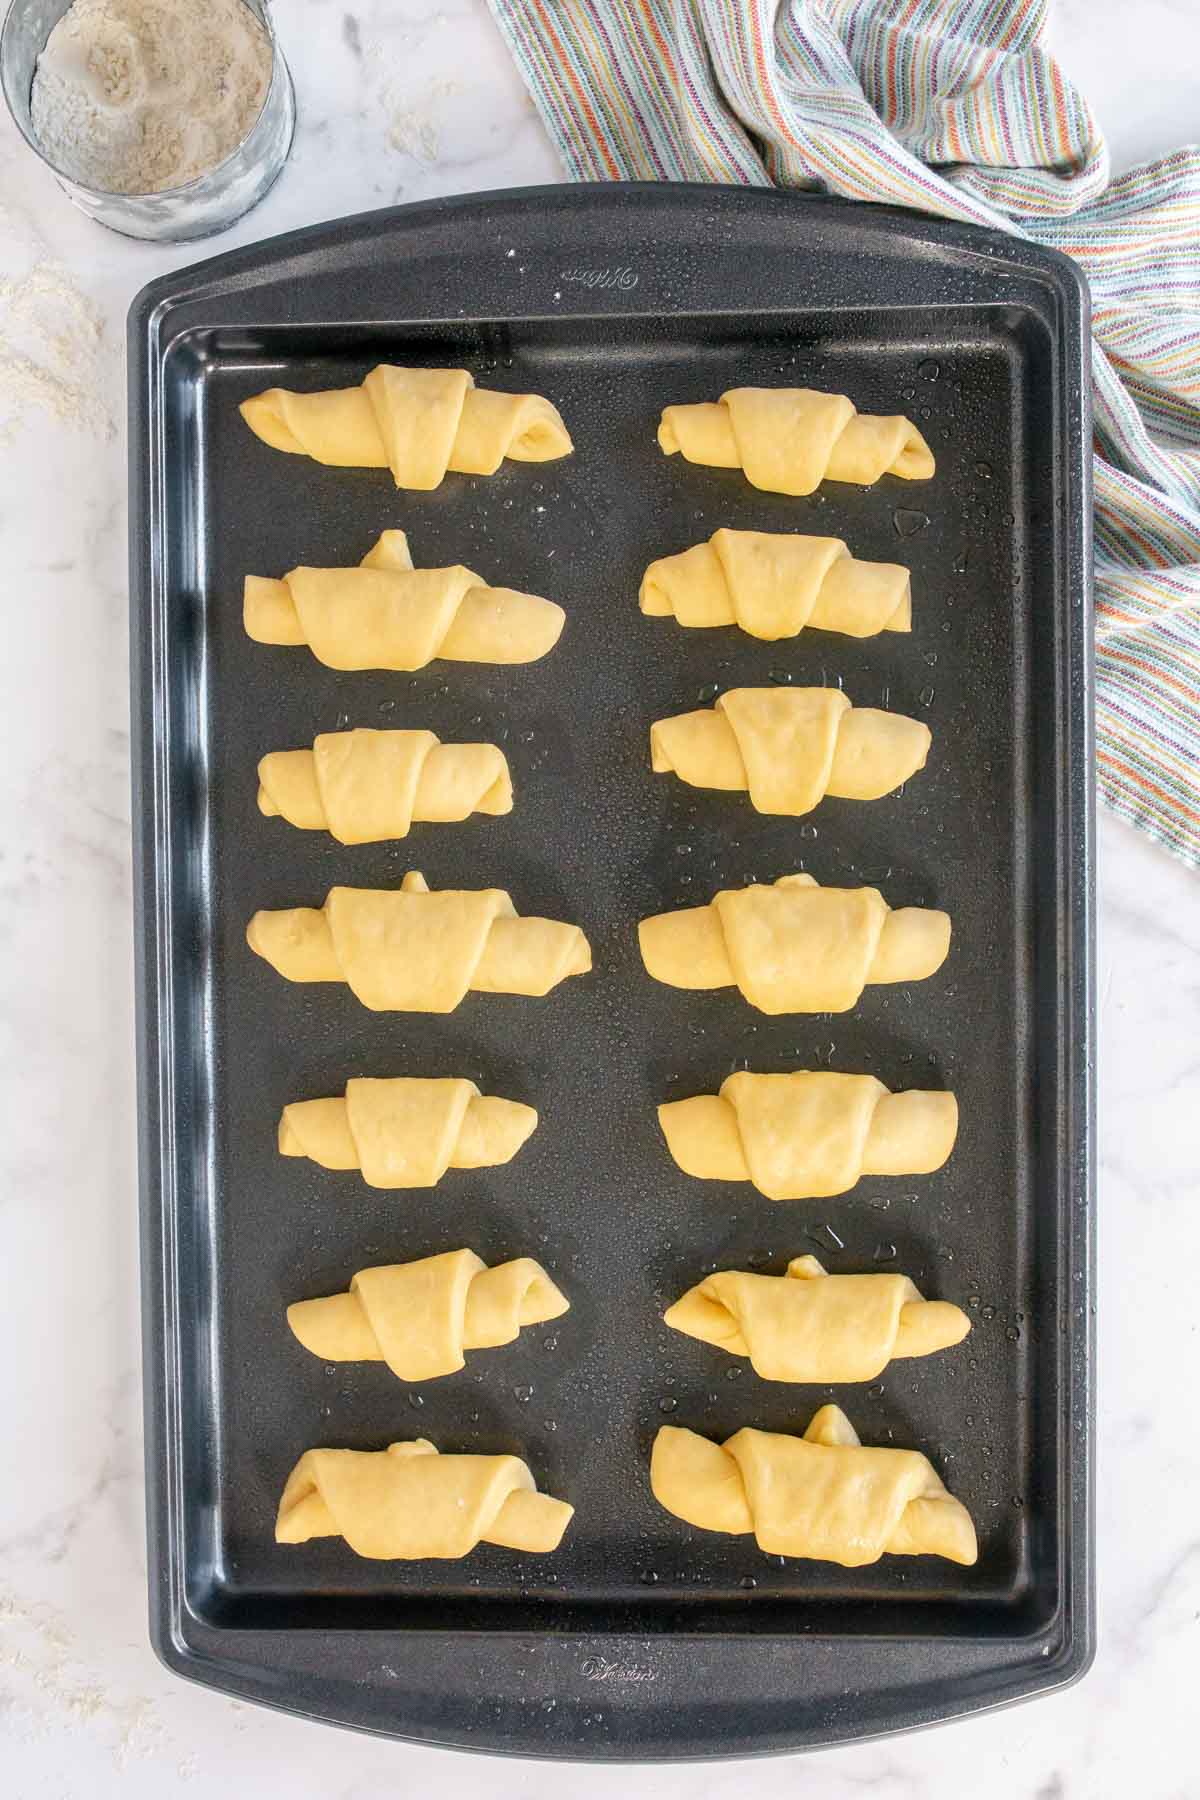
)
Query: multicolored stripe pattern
[{"x": 952, "y": 107}]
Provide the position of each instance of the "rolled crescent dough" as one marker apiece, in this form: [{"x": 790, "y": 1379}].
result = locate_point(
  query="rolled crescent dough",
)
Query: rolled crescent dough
[
  {"x": 824, "y": 1495},
  {"x": 418, "y": 423},
  {"x": 410, "y": 950},
  {"x": 808, "y": 1325},
  {"x": 419, "y": 1317},
  {"x": 789, "y": 440},
  {"x": 808, "y": 1135},
  {"x": 385, "y": 614},
  {"x": 789, "y": 747},
  {"x": 795, "y": 947},
  {"x": 404, "y": 1131},
  {"x": 774, "y": 583},
  {"x": 407, "y": 1501},
  {"x": 366, "y": 786}
]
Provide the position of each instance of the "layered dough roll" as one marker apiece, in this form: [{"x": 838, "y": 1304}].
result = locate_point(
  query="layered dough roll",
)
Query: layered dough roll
[
  {"x": 365, "y": 786},
  {"x": 824, "y": 1495},
  {"x": 789, "y": 746},
  {"x": 418, "y": 423},
  {"x": 809, "y": 1325},
  {"x": 795, "y": 947},
  {"x": 808, "y": 1135},
  {"x": 410, "y": 950},
  {"x": 407, "y": 1501},
  {"x": 405, "y": 1132},
  {"x": 385, "y": 614},
  {"x": 789, "y": 440},
  {"x": 419, "y": 1317},
  {"x": 773, "y": 583}
]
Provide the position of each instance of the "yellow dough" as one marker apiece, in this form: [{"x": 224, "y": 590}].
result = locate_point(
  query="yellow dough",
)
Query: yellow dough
[
  {"x": 824, "y": 1495},
  {"x": 772, "y": 584},
  {"x": 789, "y": 440},
  {"x": 364, "y": 786},
  {"x": 419, "y": 1317},
  {"x": 416, "y": 422},
  {"x": 405, "y": 1132},
  {"x": 385, "y": 614},
  {"x": 789, "y": 747},
  {"x": 809, "y": 1325},
  {"x": 808, "y": 1135},
  {"x": 407, "y": 1501},
  {"x": 409, "y": 950},
  {"x": 795, "y": 947}
]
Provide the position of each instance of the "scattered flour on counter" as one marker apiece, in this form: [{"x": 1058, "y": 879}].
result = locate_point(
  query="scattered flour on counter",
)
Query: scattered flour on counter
[
  {"x": 412, "y": 122},
  {"x": 51, "y": 351},
  {"x": 137, "y": 96},
  {"x": 47, "y": 1687}
]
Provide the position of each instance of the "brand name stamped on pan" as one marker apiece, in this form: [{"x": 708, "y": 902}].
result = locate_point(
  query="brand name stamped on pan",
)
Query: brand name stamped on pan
[
  {"x": 598, "y": 1668},
  {"x": 602, "y": 278}
]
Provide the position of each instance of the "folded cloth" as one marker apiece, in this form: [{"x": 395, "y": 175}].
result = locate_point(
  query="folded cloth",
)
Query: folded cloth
[{"x": 952, "y": 107}]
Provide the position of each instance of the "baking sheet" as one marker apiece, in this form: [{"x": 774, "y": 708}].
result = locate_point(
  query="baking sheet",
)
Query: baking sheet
[{"x": 640, "y": 1635}]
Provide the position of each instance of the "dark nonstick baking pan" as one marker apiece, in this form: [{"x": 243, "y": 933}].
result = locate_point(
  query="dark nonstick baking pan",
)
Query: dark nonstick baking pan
[{"x": 641, "y": 1637}]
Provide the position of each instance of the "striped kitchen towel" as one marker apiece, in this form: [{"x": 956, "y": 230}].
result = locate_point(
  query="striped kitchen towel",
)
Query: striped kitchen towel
[{"x": 952, "y": 107}]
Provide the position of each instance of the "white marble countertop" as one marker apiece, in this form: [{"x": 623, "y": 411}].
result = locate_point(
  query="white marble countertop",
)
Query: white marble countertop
[{"x": 400, "y": 100}]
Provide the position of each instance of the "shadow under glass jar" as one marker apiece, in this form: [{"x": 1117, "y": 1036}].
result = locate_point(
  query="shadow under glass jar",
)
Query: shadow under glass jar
[{"x": 197, "y": 208}]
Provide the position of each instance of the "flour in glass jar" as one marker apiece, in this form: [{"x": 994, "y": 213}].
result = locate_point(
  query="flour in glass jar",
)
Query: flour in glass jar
[{"x": 138, "y": 96}]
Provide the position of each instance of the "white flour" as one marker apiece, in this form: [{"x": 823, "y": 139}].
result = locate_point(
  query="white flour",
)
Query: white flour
[
  {"x": 135, "y": 96},
  {"x": 53, "y": 356}
]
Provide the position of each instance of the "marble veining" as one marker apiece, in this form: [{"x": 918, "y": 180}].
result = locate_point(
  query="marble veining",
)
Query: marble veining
[{"x": 401, "y": 101}]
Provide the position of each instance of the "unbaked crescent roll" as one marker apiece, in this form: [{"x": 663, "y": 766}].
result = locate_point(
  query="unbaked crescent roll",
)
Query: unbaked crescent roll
[
  {"x": 407, "y": 1501},
  {"x": 405, "y": 1132},
  {"x": 808, "y": 1135},
  {"x": 795, "y": 947},
  {"x": 416, "y": 422},
  {"x": 789, "y": 440},
  {"x": 406, "y": 949},
  {"x": 419, "y": 1317},
  {"x": 774, "y": 583},
  {"x": 385, "y": 614},
  {"x": 789, "y": 747},
  {"x": 365, "y": 786},
  {"x": 809, "y": 1325},
  {"x": 824, "y": 1495}
]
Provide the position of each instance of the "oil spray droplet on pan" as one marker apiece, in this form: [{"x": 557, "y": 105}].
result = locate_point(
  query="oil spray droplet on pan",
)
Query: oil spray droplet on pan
[
  {"x": 825, "y": 1237},
  {"x": 908, "y": 522}
]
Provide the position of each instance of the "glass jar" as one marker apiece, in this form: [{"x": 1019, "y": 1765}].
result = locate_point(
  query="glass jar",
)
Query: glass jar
[{"x": 196, "y": 209}]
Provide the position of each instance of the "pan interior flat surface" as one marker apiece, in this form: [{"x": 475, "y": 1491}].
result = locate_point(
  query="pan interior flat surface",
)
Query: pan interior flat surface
[{"x": 595, "y": 838}]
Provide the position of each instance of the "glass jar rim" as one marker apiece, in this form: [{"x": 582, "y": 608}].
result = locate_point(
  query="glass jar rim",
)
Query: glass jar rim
[{"x": 30, "y": 136}]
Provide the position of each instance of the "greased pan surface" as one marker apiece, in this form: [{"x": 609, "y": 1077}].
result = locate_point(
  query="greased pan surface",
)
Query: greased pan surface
[{"x": 640, "y": 1637}]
